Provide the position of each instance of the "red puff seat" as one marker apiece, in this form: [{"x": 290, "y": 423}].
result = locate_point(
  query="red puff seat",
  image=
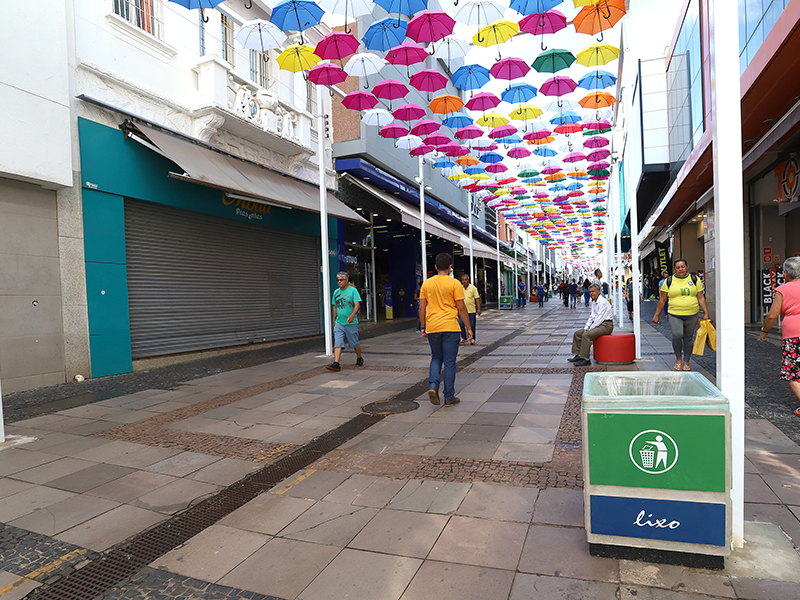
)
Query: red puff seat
[{"x": 617, "y": 348}]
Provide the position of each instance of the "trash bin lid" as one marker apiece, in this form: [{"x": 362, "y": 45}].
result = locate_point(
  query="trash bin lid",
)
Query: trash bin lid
[{"x": 651, "y": 390}]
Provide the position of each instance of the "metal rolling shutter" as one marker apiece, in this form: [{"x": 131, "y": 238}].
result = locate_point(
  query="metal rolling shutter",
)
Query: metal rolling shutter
[{"x": 197, "y": 282}]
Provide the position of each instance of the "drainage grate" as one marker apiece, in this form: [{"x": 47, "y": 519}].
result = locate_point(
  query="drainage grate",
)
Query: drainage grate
[{"x": 125, "y": 560}]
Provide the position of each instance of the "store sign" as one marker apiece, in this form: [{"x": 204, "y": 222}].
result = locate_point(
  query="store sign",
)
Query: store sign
[
  {"x": 677, "y": 452},
  {"x": 770, "y": 279},
  {"x": 246, "y": 208},
  {"x": 662, "y": 259},
  {"x": 790, "y": 182},
  {"x": 669, "y": 520}
]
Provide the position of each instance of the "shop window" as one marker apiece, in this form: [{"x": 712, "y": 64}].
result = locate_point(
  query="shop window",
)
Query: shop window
[
  {"x": 228, "y": 50},
  {"x": 144, "y": 14}
]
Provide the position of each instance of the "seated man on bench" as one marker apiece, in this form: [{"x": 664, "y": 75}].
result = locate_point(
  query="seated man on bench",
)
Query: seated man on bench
[{"x": 600, "y": 322}]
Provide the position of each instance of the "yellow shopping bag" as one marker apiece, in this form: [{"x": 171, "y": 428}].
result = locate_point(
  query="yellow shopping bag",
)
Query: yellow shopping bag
[
  {"x": 700, "y": 339},
  {"x": 711, "y": 339}
]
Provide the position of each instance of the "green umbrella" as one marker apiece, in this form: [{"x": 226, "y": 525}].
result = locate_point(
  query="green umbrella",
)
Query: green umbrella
[
  {"x": 553, "y": 61},
  {"x": 528, "y": 173},
  {"x": 589, "y": 132},
  {"x": 599, "y": 173}
]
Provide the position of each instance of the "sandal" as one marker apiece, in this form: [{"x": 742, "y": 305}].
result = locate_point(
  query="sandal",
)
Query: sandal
[
  {"x": 686, "y": 367},
  {"x": 677, "y": 366},
  {"x": 797, "y": 411}
]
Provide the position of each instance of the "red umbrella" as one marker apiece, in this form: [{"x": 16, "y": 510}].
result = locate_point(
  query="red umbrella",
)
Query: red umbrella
[
  {"x": 422, "y": 150},
  {"x": 393, "y": 131},
  {"x": 502, "y": 131},
  {"x": 430, "y": 26},
  {"x": 568, "y": 128},
  {"x": 437, "y": 139},
  {"x": 359, "y": 100},
  {"x": 506, "y": 180},
  {"x": 428, "y": 80},
  {"x": 336, "y": 46},
  {"x": 483, "y": 101},
  {"x": 327, "y": 73},
  {"x": 424, "y": 127},
  {"x": 470, "y": 132},
  {"x": 408, "y": 112},
  {"x": 509, "y": 68}
]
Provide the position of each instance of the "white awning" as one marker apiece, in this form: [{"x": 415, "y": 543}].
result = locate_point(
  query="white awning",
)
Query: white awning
[
  {"x": 224, "y": 171},
  {"x": 481, "y": 250}
]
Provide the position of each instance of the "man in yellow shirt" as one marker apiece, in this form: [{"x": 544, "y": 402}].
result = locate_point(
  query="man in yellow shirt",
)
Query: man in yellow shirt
[
  {"x": 472, "y": 300},
  {"x": 441, "y": 303}
]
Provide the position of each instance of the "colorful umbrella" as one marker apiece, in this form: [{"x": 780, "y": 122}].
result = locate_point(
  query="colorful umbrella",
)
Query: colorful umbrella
[
  {"x": 296, "y": 15},
  {"x": 467, "y": 160},
  {"x": 525, "y": 112},
  {"x": 502, "y": 131},
  {"x": 408, "y": 142},
  {"x": 475, "y": 12},
  {"x": 355, "y": 8},
  {"x": 260, "y": 35},
  {"x": 428, "y": 80},
  {"x": 597, "y": 126},
  {"x": 425, "y": 127},
  {"x": 497, "y": 168},
  {"x": 437, "y": 139},
  {"x": 327, "y": 73},
  {"x": 390, "y": 89},
  {"x": 430, "y": 26},
  {"x": 492, "y": 119},
  {"x": 568, "y": 128},
  {"x": 597, "y": 100},
  {"x": 444, "y": 163},
  {"x": 574, "y": 157},
  {"x": 553, "y": 61},
  {"x": 384, "y": 33},
  {"x": 595, "y": 19},
  {"x": 496, "y": 33},
  {"x": 364, "y": 64},
  {"x": 558, "y": 86},
  {"x": 519, "y": 153},
  {"x": 408, "y": 112},
  {"x": 491, "y": 158},
  {"x": 529, "y": 7},
  {"x": 565, "y": 117},
  {"x": 597, "y": 54},
  {"x": 407, "y": 53},
  {"x": 402, "y": 7},
  {"x": 446, "y": 103},
  {"x": 457, "y": 120},
  {"x": 376, "y": 117},
  {"x": 518, "y": 93},
  {"x": 297, "y": 57},
  {"x": 393, "y": 131},
  {"x": 509, "y": 69},
  {"x": 451, "y": 48},
  {"x": 597, "y": 80},
  {"x": 483, "y": 101},
  {"x": 337, "y": 45},
  {"x": 359, "y": 100},
  {"x": 542, "y": 23},
  {"x": 598, "y": 154},
  {"x": 597, "y": 141},
  {"x": 469, "y": 132},
  {"x": 422, "y": 150},
  {"x": 471, "y": 77}
]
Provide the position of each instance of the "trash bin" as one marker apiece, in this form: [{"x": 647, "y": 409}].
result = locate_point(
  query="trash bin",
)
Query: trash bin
[
  {"x": 656, "y": 467},
  {"x": 506, "y": 302}
]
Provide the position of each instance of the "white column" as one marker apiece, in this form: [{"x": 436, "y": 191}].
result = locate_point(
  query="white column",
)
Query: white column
[
  {"x": 729, "y": 227},
  {"x": 497, "y": 239},
  {"x": 323, "y": 223},
  {"x": 636, "y": 286},
  {"x": 422, "y": 219},
  {"x": 372, "y": 251},
  {"x": 473, "y": 277}
]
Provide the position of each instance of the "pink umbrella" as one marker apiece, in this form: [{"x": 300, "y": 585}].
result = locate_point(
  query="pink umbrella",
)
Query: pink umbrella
[
  {"x": 558, "y": 86},
  {"x": 575, "y": 194},
  {"x": 422, "y": 150},
  {"x": 337, "y": 45},
  {"x": 470, "y": 132},
  {"x": 509, "y": 68},
  {"x": 537, "y": 134},
  {"x": 428, "y": 80},
  {"x": 496, "y": 168},
  {"x": 597, "y": 124},
  {"x": 437, "y": 139},
  {"x": 598, "y": 166},
  {"x": 519, "y": 191},
  {"x": 408, "y": 112},
  {"x": 538, "y": 24},
  {"x": 502, "y": 131},
  {"x": 574, "y": 157},
  {"x": 326, "y": 73},
  {"x": 424, "y": 127},
  {"x": 551, "y": 170},
  {"x": 359, "y": 100},
  {"x": 430, "y": 26},
  {"x": 483, "y": 101},
  {"x": 451, "y": 147},
  {"x": 407, "y": 53},
  {"x": 596, "y": 141},
  {"x": 541, "y": 195},
  {"x": 393, "y": 131},
  {"x": 519, "y": 153},
  {"x": 484, "y": 147},
  {"x": 390, "y": 89},
  {"x": 599, "y": 154}
]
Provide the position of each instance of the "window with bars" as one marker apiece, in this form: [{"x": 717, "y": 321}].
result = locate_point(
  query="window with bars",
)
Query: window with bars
[
  {"x": 144, "y": 14},
  {"x": 228, "y": 50},
  {"x": 311, "y": 98},
  {"x": 259, "y": 68},
  {"x": 202, "y": 33}
]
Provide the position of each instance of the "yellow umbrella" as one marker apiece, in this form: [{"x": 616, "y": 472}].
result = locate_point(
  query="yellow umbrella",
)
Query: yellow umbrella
[
  {"x": 297, "y": 57},
  {"x": 597, "y": 54},
  {"x": 525, "y": 112},
  {"x": 459, "y": 176},
  {"x": 492, "y": 119},
  {"x": 501, "y": 192},
  {"x": 495, "y": 33},
  {"x": 480, "y": 176},
  {"x": 579, "y": 3}
]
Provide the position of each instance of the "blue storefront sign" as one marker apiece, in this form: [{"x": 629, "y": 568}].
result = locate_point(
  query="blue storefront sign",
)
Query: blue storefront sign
[{"x": 668, "y": 520}]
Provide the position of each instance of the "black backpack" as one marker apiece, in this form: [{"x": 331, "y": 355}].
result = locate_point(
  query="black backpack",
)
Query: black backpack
[{"x": 669, "y": 280}]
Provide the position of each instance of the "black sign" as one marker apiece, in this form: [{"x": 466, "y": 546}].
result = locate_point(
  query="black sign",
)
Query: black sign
[{"x": 663, "y": 262}]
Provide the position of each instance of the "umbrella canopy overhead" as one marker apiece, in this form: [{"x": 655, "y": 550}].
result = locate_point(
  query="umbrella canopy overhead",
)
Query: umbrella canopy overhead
[
  {"x": 553, "y": 61},
  {"x": 509, "y": 69},
  {"x": 408, "y": 112},
  {"x": 428, "y": 80},
  {"x": 384, "y": 34},
  {"x": 296, "y": 15},
  {"x": 260, "y": 35},
  {"x": 336, "y": 45},
  {"x": 471, "y": 77},
  {"x": 359, "y": 100},
  {"x": 430, "y": 26},
  {"x": 297, "y": 57},
  {"x": 446, "y": 103},
  {"x": 326, "y": 73}
]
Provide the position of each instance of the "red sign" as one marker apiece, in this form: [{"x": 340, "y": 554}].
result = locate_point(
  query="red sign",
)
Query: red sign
[
  {"x": 767, "y": 258},
  {"x": 776, "y": 258},
  {"x": 767, "y": 250}
]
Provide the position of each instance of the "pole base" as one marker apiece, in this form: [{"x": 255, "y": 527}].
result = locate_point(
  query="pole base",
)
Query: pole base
[{"x": 664, "y": 557}]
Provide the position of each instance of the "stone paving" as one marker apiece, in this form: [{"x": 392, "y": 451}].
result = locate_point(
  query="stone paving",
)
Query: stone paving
[{"x": 483, "y": 500}]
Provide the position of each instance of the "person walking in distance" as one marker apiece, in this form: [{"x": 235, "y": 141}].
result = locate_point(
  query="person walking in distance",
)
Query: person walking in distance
[
  {"x": 441, "y": 303},
  {"x": 540, "y": 294},
  {"x": 472, "y": 300},
  {"x": 521, "y": 299},
  {"x": 600, "y": 322},
  {"x": 586, "y": 284},
  {"x": 573, "y": 294},
  {"x": 346, "y": 303}
]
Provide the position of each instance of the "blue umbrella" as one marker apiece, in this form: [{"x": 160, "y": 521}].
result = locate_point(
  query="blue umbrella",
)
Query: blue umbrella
[
  {"x": 471, "y": 77},
  {"x": 597, "y": 80},
  {"x": 491, "y": 157},
  {"x": 566, "y": 118},
  {"x": 444, "y": 163},
  {"x": 517, "y": 93},
  {"x": 403, "y": 7},
  {"x": 296, "y": 15},
  {"x": 531, "y": 180},
  {"x": 574, "y": 186},
  {"x": 474, "y": 170},
  {"x": 531, "y": 7},
  {"x": 458, "y": 120},
  {"x": 509, "y": 139},
  {"x": 558, "y": 187},
  {"x": 385, "y": 34},
  {"x": 544, "y": 151}
]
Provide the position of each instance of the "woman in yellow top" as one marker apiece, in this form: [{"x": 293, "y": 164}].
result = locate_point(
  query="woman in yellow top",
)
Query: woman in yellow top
[{"x": 686, "y": 298}]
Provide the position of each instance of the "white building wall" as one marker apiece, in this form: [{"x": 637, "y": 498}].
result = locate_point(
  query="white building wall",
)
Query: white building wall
[{"x": 655, "y": 124}]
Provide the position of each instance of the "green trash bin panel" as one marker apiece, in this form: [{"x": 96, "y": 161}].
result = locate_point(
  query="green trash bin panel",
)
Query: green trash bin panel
[{"x": 506, "y": 302}]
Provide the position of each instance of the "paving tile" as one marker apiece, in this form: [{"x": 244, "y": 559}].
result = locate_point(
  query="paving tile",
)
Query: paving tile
[
  {"x": 501, "y": 407},
  {"x": 511, "y": 393},
  {"x": 144, "y": 457},
  {"x": 281, "y": 568},
  {"x": 634, "y": 592},
  {"x": 62, "y": 515},
  {"x": 448, "y": 581},
  {"x": 429, "y": 496},
  {"x": 763, "y": 589},
  {"x": 560, "y": 507},
  {"x": 226, "y": 471},
  {"x": 785, "y": 517},
  {"x": 530, "y": 435},
  {"x": 212, "y": 553},
  {"x": 128, "y": 488},
  {"x": 374, "y": 444},
  {"x": 355, "y": 574},
  {"x": 296, "y": 435},
  {"x": 787, "y": 489},
  {"x": 481, "y": 433},
  {"x": 533, "y": 453},
  {"x": 564, "y": 552},
  {"x": 329, "y": 523},
  {"x": 416, "y": 446},
  {"x": 379, "y": 493},
  {"x": 757, "y": 490},
  {"x": 16, "y": 587},
  {"x": 490, "y": 418},
  {"x": 771, "y": 443},
  {"x": 675, "y": 577},
  {"x": 182, "y": 464},
  {"x": 480, "y": 542},
  {"x": 537, "y": 420},
  {"x": 539, "y": 408},
  {"x": 400, "y": 532},
  {"x": 391, "y": 427},
  {"x": 45, "y": 438},
  {"x": 90, "y": 478},
  {"x": 468, "y": 449},
  {"x": 267, "y": 513},
  {"x": 499, "y": 502},
  {"x": 174, "y": 496},
  {"x": 76, "y": 446},
  {"x": 52, "y": 470},
  {"x": 110, "y": 528},
  {"x": 17, "y": 459},
  {"x": 9, "y": 487},
  {"x": 434, "y": 430},
  {"x": 28, "y": 500},
  {"x": 787, "y": 465},
  {"x": 540, "y": 587},
  {"x": 315, "y": 485}
]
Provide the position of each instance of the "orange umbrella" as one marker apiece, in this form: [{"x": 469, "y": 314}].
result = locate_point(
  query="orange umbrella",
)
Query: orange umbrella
[
  {"x": 446, "y": 103},
  {"x": 592, "y": 20},
  {"x": 597, "y": 100},
  {"x": 467, "y": 160},
  {"x": 542, "y": 141},
  {"x": 577, "y": 174},
  {"x": 554, "y": 176}
]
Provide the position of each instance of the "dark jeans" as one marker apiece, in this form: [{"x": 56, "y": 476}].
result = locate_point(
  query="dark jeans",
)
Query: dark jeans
[
  {"x": 521, "y": 301},
  {"x": 444, "y": 350},
  {"x": 586, "y": 296},
  {"x": 573, "y": 299},
  {"x": 541, "y": 300},
  {"x": 683, "y": 328},
  {"x": 472, "y": 321}
]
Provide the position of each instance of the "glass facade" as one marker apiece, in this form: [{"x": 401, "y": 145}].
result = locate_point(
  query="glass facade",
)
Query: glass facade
[
  {"x": 756, "y": 19},
  {"x": 685, "y": 90}
]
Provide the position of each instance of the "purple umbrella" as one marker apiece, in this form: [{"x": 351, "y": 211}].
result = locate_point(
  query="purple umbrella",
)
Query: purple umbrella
[
  {"x": 558, "y": 86},
  {"x": 393, "y": 131},
  {"x": 424, "y": 127},
  {"x": 408, "y": 112},
  {"x": 509, "y": 68},
  {"x": 470, "y": 132}
]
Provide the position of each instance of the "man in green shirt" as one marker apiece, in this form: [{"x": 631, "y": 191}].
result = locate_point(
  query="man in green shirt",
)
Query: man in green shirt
[{"x": 346, "y": 302}]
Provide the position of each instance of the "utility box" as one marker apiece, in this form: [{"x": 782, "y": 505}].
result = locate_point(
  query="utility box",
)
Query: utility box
[
  {"x": 506, "y": 302},
  {"x": 657, "y": 467}
]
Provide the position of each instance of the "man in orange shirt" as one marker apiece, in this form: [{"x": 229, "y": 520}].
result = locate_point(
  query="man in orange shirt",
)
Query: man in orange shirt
[{"x": 441, "y": 302}]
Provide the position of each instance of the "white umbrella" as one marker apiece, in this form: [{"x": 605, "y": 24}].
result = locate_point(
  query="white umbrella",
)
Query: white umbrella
[
  {"x": 377, "y": 117},
  {"x": 450, "y": 48},
  {"x": 408, "y": 142},
  {"x": 354, "y": 8},
  {"x": 449, "y": 171},
  {"x": 364, "y": 64},
  {"x": 562, "y": 105},
  {"x": 479, "y": 12},
  {"x": 260, "y": 35}
]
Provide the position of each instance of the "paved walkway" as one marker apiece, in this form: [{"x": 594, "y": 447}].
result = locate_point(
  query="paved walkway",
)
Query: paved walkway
[{"x": 483, "y": 500}]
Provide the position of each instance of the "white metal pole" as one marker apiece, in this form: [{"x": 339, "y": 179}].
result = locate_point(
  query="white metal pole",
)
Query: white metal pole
[
  {"x": 497, "y": 238},
  {"x": 323, "y": 222},
  {"x": 472, "y": 275},
  {"x": 422, "y": 220},
  {"x": 635, "y": 286},
  {"x": 728, "y": 230},
  {"x": 372, "y": 250}
]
